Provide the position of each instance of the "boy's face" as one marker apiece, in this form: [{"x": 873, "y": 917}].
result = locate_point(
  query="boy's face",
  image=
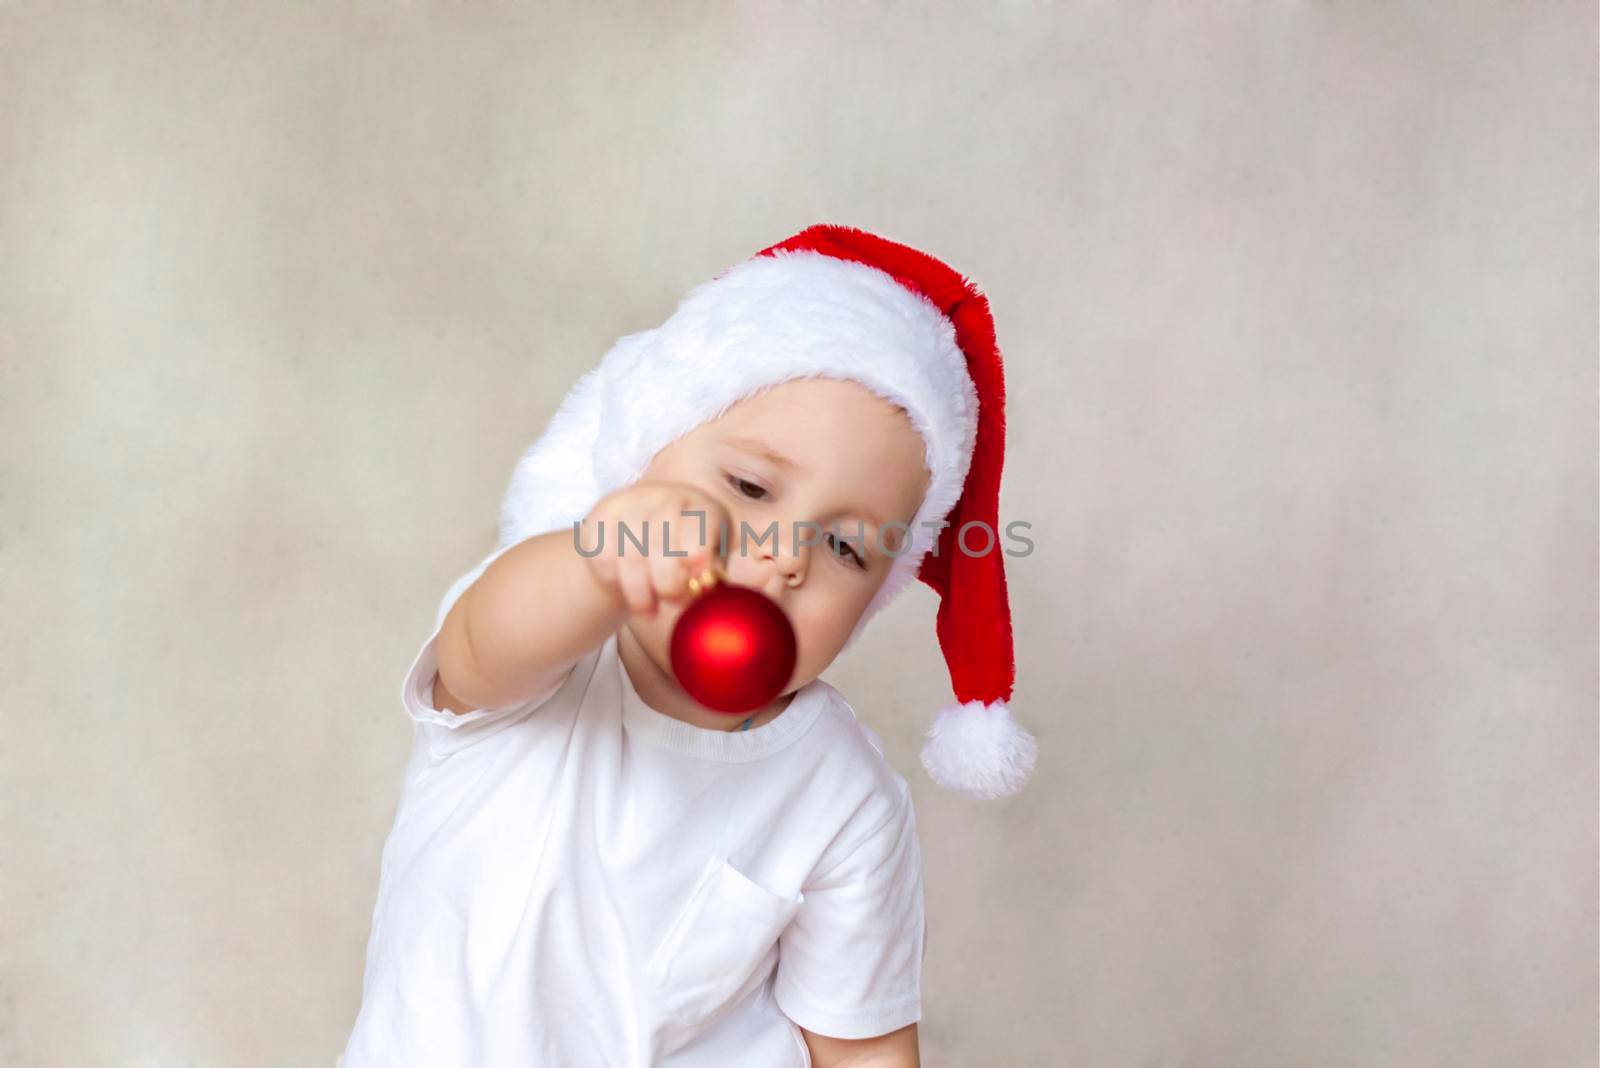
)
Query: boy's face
[{"x": 853, "y": 460}]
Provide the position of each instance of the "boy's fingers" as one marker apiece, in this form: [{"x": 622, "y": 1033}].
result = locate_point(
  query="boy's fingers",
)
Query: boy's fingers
[
  {"x": 702, "y": 552},
  {"x": 666, "y": 573},
  {"x": 634, "y": 577}
]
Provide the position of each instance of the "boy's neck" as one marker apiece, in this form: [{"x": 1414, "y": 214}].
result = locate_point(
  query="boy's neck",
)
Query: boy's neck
[{"x": 657, "y": 688}]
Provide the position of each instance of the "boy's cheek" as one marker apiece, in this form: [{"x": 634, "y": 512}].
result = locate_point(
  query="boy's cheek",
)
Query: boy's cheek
[{"x": 822, "y": 628}]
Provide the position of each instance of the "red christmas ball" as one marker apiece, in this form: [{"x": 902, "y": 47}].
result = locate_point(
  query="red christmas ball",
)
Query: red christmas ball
[{"x": 733, "y": 649}]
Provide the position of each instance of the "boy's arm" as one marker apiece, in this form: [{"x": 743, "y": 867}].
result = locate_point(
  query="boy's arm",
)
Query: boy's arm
[
  {"x": 897, "y": 1049},
  {"x": 533, "y": 613}
]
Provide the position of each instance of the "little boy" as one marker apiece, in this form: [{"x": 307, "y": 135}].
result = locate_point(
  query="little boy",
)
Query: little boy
[{"x": 589, "y": 868}]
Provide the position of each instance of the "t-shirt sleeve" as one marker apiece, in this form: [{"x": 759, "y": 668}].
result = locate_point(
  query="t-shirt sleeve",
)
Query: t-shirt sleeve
[
  {"x": 850, "y": 962},
  {"x": 448, "y": 731}
]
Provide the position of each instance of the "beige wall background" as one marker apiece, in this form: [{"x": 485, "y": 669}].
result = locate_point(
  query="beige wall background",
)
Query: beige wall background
[{"x": 1299, "y": 307}]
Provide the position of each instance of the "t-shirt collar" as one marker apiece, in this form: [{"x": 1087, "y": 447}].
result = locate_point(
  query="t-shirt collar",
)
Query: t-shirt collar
[{"x": 731, "y": 747}]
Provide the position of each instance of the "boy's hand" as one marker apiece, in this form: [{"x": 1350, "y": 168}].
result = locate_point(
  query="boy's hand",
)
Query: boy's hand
[
  {"x": 659, "y": 516},
  {"x": 498, "y": 645}
]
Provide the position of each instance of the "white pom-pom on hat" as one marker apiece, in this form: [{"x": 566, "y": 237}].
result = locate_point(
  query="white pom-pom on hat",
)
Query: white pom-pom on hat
[{"x": 979, "y": 750}]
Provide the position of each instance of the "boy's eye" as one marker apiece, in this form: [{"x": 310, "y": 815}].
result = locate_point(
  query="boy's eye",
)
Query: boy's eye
[
  {"x": 855, "y": 556},
  {"x": 746, "y": 487},
  {"x": 749, "y": 489}
]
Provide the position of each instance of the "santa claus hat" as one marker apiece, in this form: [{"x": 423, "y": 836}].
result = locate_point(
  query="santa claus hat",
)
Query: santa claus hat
[{"x": 837, "y": 302}]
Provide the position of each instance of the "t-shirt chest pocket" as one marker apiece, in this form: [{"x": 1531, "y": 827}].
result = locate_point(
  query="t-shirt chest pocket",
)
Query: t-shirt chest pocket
[{"x": 710, "y": 953}]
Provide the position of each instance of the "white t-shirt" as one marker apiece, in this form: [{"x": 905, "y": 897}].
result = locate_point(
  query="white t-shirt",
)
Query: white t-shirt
[{"x": 582, "y": 880}]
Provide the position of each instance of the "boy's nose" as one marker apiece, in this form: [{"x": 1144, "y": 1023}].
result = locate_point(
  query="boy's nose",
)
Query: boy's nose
[{"x": 782, "y": 570}]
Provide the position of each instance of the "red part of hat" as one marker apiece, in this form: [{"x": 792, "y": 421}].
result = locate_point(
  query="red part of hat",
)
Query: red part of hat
[{"x": 967, "y": 572}]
